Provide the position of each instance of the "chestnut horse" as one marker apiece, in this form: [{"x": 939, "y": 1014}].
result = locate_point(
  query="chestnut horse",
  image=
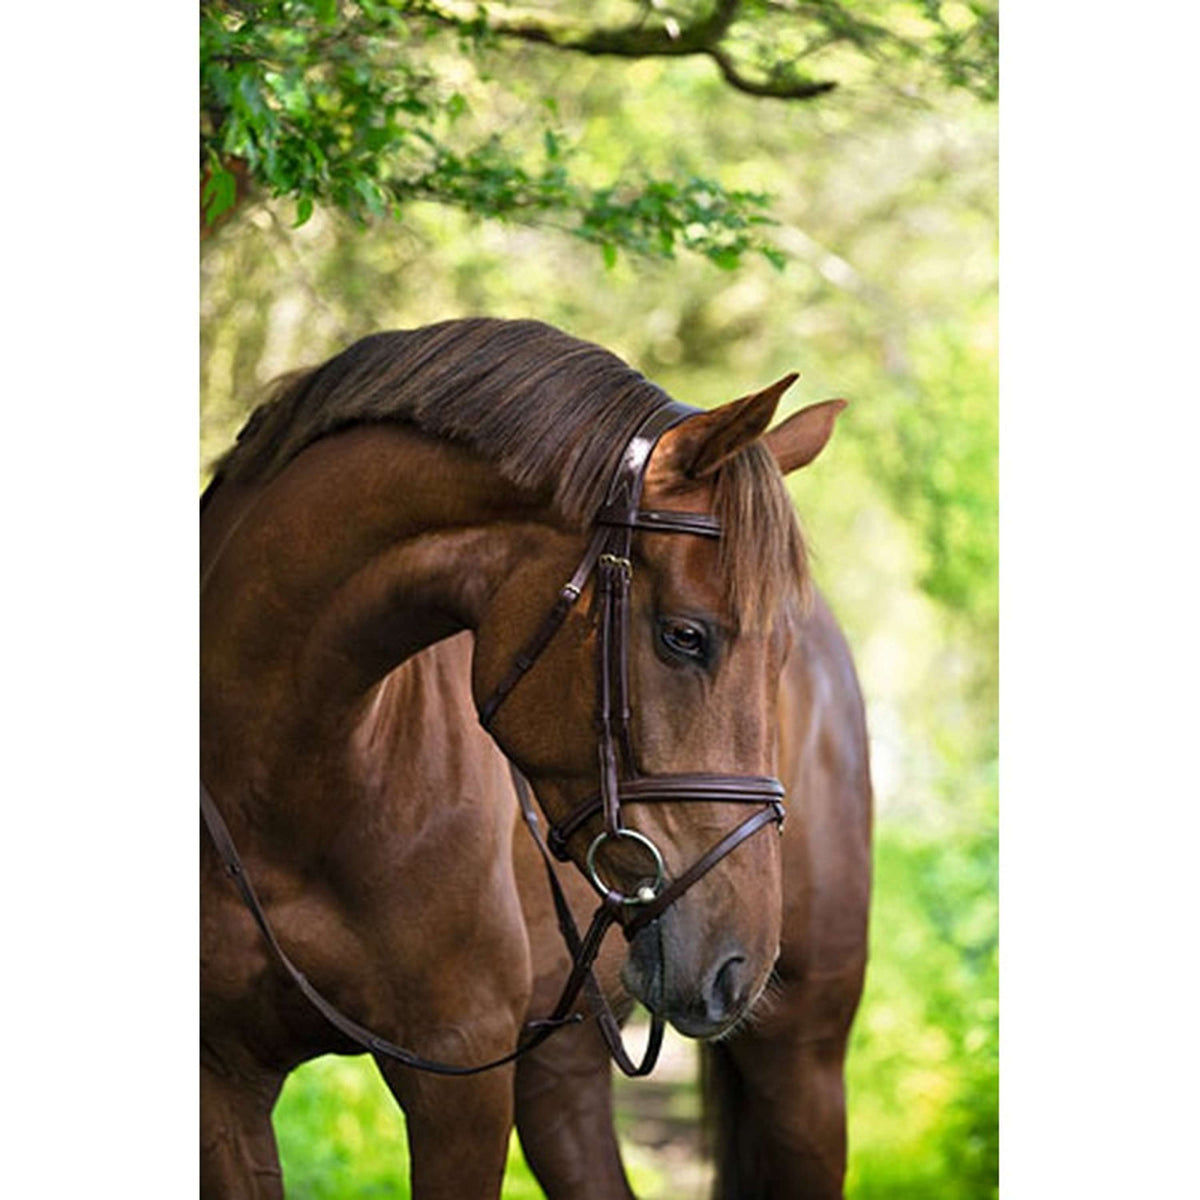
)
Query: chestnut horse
[
  {"x": 423, "y": 483},
  {"x": 773, "y": 1087}
]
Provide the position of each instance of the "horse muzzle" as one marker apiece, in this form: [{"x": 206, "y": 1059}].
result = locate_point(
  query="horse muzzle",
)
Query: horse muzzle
[{"x": 702, "y": 1003}]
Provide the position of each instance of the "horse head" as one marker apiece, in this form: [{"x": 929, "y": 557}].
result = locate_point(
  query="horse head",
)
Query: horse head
[{"x": 646, "y": 713}]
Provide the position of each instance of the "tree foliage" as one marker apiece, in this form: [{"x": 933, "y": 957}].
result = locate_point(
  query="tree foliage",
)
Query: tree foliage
[{"x": 364, "y": 106}]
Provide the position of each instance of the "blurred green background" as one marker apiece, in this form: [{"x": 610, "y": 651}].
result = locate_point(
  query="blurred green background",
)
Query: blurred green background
[{"x": 885, "y": 197}]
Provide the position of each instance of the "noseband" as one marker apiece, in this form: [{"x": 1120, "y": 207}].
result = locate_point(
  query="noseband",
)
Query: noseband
[{"x": 621, "y": 782}]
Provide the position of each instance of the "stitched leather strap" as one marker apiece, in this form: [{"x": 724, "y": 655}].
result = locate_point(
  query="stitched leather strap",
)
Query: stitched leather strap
[
  {"x": 652, "y": 911},
  {"x": 664, "y": 521},
  {"x": 530, "y": 652},
  {"x": 625, "y": 491},
  {"x": 663, "y": 789}
]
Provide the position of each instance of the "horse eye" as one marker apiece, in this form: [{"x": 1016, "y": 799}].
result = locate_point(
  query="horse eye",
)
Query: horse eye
[{"x": 683, "y": 639}]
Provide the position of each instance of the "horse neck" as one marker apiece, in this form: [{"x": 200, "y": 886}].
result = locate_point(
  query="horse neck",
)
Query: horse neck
[
  {"x": 824, "y": 766},
  {"x": 372, "y": 544}
]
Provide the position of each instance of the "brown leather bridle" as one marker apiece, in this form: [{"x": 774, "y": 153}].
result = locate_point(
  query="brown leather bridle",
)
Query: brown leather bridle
[{"x": 608, "y": 556}]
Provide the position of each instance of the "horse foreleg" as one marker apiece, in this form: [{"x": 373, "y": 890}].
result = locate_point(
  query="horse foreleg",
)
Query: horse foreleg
[
  {"x": 565, "y": 1117},
  {"x": 458, "y": 1130},
  {"x": 238, "y": 1156},
  {"x": 775, "y": 1094}
]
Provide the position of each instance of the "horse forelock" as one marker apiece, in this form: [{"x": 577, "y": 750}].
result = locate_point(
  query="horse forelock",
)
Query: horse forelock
[
  {"x": 548, "y": 410},
  {"x": 763, "y": 560}
]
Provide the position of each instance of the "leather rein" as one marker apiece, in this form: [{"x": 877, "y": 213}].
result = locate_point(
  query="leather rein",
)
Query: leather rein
[{"x": 608, "y": 556}]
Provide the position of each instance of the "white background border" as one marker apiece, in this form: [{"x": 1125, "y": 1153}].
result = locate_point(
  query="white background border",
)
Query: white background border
[{"x": 1100, "y": 531}]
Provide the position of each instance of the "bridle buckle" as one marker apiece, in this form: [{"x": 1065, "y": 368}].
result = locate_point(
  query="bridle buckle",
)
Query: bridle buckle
[{"x": 615, "y": 562}]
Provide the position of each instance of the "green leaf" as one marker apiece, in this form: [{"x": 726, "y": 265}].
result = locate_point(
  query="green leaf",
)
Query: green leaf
[
  {"x": 610, "y": 255},
  {"x": 304, "y": 208},
  {"x": 219, "y": 195},
  {"x": 371, "y": 195},
  {"x": 725, "y": 258},
  {"x": 776, "y": 258}
]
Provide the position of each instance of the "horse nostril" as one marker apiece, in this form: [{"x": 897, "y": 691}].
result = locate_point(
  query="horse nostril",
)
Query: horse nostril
[{"x": 726, "y": 994}]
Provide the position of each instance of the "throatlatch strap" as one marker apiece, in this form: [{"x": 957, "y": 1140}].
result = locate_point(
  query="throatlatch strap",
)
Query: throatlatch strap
[{"x": 529, "y": 653}]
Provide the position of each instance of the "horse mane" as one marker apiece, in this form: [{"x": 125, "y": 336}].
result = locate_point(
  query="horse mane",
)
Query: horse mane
[{"x": 548, "y": 410}]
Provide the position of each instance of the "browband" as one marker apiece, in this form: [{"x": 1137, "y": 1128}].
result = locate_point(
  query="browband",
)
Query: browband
[{"x": 657, "y": 520}]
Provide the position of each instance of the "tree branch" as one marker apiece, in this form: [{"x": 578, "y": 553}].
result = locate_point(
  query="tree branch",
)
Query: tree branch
[
  {"x": 779, "y": 89},
  {"x": 669, "y": 40}
]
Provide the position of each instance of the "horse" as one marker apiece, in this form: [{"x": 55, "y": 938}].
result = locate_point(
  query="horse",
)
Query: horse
[
  {"x": 446, "y": 479},
  {"x": 772, "y": 1088}
]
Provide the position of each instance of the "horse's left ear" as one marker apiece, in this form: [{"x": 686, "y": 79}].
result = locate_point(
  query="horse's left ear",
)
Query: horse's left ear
[
  {"x": 703, "y": 442},
  {"x": 800, "y": 438}
]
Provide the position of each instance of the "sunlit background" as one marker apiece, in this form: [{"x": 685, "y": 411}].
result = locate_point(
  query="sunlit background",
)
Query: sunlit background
[{"x": 887, "y": 216}]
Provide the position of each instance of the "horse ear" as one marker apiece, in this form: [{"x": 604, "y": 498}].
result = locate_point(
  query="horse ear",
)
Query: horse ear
[
  {"x": 702, "y": 443},
  {"x": 799, "y": 439}
]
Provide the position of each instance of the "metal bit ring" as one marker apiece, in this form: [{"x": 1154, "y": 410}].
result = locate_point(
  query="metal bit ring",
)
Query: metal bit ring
[{"x": 645, "y": 894}]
